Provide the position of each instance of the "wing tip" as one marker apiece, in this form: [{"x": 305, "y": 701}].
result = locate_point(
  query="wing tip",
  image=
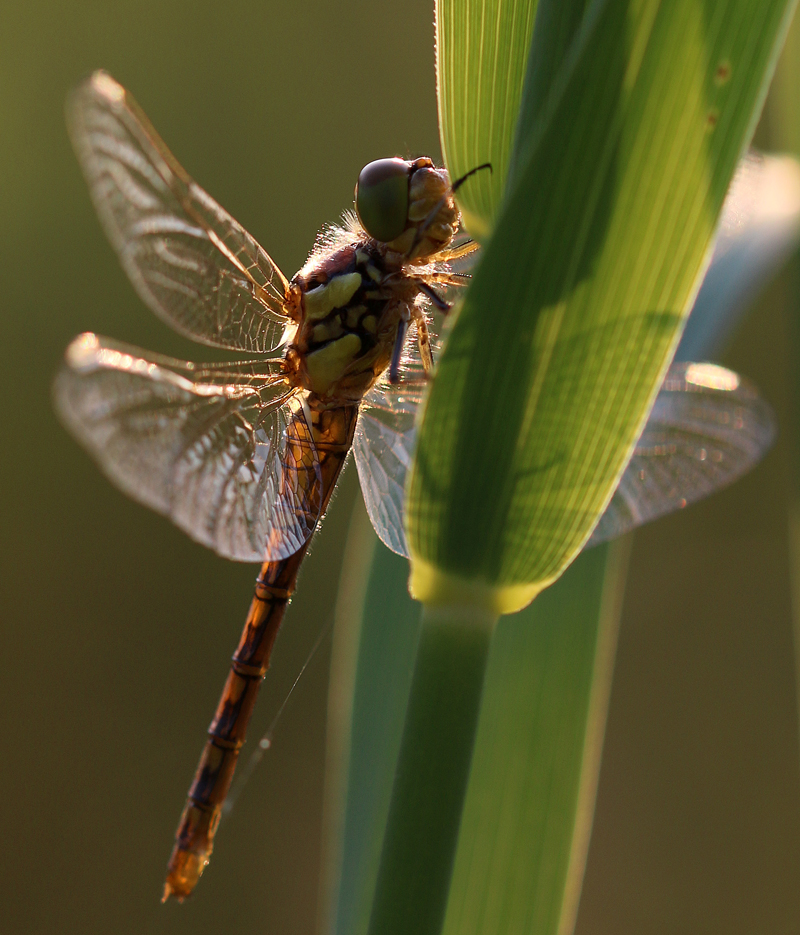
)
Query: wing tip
[
  {"x": 103, "y": 84},
  {"x": 712, "y": 376},
  {"x": 98, "y": 85},
  {"x": 82, "y": 351}
]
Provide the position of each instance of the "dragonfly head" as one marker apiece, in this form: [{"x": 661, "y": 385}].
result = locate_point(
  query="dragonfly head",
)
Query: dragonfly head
[{"x": 407, "y": 205}]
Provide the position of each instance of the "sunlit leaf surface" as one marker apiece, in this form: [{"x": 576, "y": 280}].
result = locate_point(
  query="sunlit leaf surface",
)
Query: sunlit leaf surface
[
  {"x": 481, "y": 53},
  {"x": 565, "y": 334}
]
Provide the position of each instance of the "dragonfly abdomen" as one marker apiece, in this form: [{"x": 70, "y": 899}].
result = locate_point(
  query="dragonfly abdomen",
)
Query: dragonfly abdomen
[
  {"x": 195, "y": 835},
  {"x": 332, "y": 432}
]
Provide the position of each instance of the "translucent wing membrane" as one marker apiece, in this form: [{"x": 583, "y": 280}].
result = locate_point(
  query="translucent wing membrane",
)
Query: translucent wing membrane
[
  {"x": 188, "y": 259},
  {"x": 707, "y": 428},
  {"x": 385, "y": 437},
  {"x": 223, "y": 450},
  {"x": 384, "y": 446}
]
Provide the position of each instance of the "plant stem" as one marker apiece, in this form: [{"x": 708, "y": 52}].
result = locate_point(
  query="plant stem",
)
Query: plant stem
[{"x": 432, "y": 771}]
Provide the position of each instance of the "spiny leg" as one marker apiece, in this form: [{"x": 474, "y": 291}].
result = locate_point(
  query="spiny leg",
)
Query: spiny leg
[
  {"x": 436, "y": 299},
  {"x": 443, "y": 279},
  {"x": 457, "y": 252},
  {"x": 423, "y": 340},
  {"x": 397, "y": 351},
  {"x": 448, "y": 279}
]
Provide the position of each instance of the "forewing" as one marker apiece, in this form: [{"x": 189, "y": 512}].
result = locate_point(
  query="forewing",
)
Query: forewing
[
  {"x": 384, "y": 446},
  {"x": 223, "y": 450},
  {"x": 707, "y": 428},
  {"x": 188, "y": 259}
]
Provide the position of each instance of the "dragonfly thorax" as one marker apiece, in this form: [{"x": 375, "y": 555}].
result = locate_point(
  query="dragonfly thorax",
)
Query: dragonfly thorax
[{"x": 352, "y": 301}]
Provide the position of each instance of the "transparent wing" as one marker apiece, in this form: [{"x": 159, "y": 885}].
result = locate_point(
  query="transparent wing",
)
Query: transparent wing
[
  {"x": 223, "y": 450},
  {"x": 187, "y": 258},
  {"x": 385, "y": 435},
  {"x": 384, "y": 445},
  {"x": 707, "y": 428}
]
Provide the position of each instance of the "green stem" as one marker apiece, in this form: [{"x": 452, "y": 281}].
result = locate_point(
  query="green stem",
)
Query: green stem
[{"x": 432, "y": 771}]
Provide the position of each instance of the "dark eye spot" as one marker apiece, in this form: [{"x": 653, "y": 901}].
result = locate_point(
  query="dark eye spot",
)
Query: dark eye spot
[{"x": 382, "y": 198}]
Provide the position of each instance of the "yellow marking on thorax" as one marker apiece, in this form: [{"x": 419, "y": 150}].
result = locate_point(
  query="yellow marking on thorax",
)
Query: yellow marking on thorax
[
  {"x": 320, "y": 302},
  {"x": 327, "y": 365},
  {"x": 326, "y": 331},
  {"x": 354, "y": 313}
]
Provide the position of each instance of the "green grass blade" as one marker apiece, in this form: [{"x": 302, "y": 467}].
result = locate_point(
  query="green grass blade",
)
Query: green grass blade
[
  {"x": 566, "y": 330},
  {"x": 376, "y": 641},
  {"x": 481, "y": 55},
  {"x": 529, "y": 802},
  {"x": 433, "y": 768}
]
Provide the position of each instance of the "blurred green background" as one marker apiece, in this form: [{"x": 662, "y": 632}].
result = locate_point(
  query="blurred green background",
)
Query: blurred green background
[{"x": 117, "y": 629}]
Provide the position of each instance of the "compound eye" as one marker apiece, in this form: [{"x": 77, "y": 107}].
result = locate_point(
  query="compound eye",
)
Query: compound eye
[{"x": 382, "y": 198}]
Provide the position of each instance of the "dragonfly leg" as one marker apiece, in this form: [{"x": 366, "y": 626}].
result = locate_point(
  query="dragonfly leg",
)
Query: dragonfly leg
[
  {"x": 433, "y": 295},
  {"x": 425, "y": 286},
  {"x": 423, "y": 339},
  {"x": 397, "y": 351},
  {"x": 448, "y": 279},
  {"x": 458, "y": 252}
]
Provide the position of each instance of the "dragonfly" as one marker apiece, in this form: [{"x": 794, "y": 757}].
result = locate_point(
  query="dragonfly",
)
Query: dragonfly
[{"x": 244, "y": 456}]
